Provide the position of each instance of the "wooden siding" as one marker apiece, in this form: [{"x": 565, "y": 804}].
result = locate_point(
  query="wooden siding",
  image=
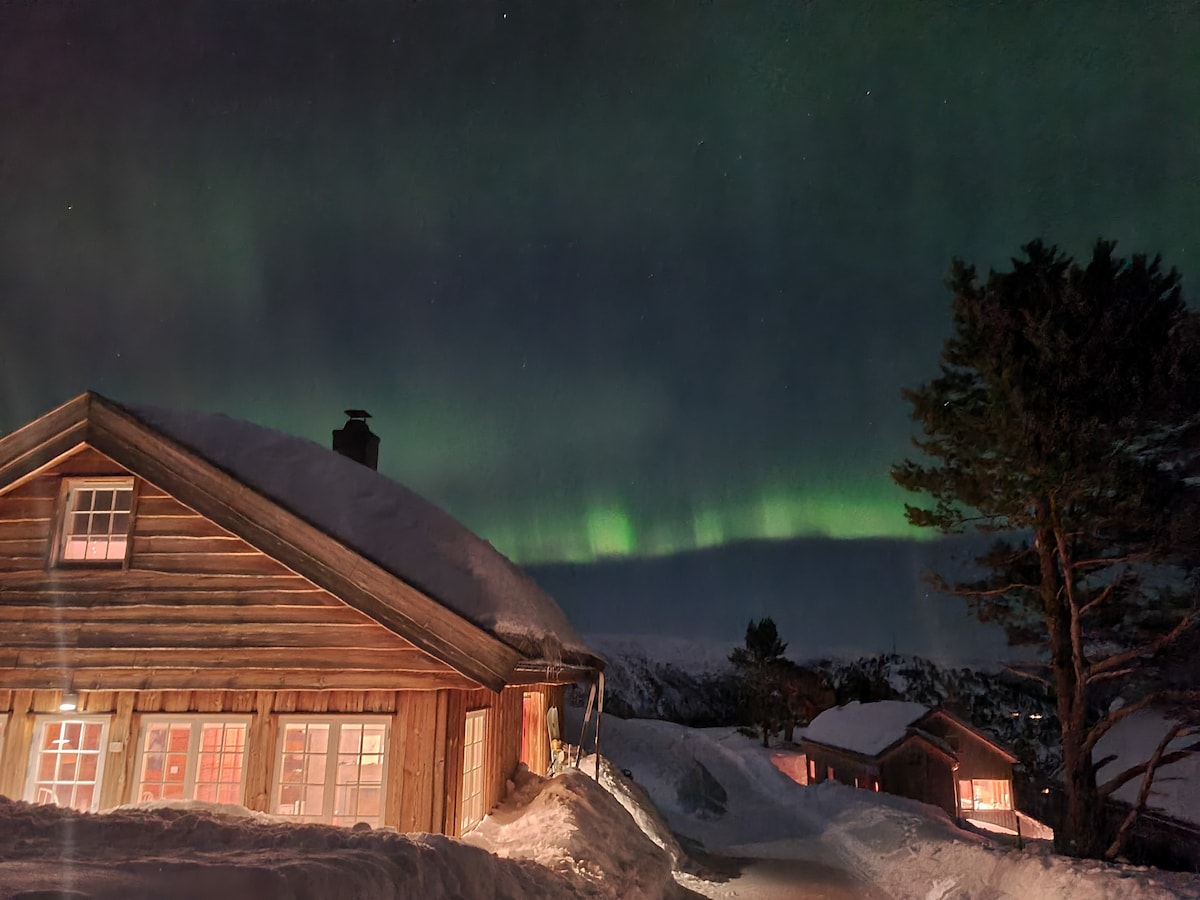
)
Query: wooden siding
[
  {"x": 194, "y": 606},
  {"x": 916, "y": 770},
  {"x": 424, "y": 761}
]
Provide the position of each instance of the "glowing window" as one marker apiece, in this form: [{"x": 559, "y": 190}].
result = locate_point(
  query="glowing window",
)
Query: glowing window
[
  {"x": 331, "y": 771},
  {"x": 474, "y": 736},
  {"x": 96, "y": 520},
  {"x": 984, "y": 793},
  {"x": 67, "y": 762},
  {"x": 192, "y": 759}
]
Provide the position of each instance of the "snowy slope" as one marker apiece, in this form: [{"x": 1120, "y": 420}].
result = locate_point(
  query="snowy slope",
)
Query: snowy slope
[{"x": 568, "y": 837}]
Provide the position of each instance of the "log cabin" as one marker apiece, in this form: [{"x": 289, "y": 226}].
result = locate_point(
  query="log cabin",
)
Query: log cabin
[
  {"x": 917, "y": 752},
  {"x": 199, "y": 608}
]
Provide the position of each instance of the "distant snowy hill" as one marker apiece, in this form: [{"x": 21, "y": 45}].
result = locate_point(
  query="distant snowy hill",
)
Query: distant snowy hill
[{"x": 830, "y": 598}]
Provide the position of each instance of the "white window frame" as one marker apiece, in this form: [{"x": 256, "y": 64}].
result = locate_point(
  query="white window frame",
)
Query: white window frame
[
  {"x": 473, "y": 791},
  {"x": 196, "y": 723},
  {"x": 73, "y": 487},
  {"x": 330, "y": 783},
  {"x": 35, "y": 755}
]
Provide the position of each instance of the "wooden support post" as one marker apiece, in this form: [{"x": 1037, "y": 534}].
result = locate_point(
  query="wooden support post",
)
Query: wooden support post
[
  {"x": 260, "y": 753},
  {"x": 119, "y": 762},
  {"x": 18, "y": 737}
]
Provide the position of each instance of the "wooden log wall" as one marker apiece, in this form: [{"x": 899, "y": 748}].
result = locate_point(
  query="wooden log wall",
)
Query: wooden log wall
[{"x": 193, "y": 607}]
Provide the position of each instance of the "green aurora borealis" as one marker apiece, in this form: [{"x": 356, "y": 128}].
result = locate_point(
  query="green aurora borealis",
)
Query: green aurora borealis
[{"x": 614, "y": 279}]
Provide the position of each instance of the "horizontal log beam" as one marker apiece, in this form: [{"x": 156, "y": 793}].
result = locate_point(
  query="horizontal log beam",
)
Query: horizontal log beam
[
  {"x": 91, "y": 578},
  {"x": 190, "y": 525},
  {"x": 199, "y": 611},
  {"x": 408, "y": 660},
  {"x": 99, "y": 635},
  {"x": 183, "y": 679},
  {"x": 250, "y": 562},
  {"x": 250, "y": 597}
]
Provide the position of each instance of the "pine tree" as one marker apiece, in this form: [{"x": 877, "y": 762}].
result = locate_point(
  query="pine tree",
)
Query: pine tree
[
  {"x": 759, "y": 663},
  {"x": 1064, "y": 420}
]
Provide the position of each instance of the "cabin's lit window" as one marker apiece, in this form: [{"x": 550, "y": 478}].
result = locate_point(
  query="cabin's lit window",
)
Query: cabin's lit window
[
  {"x": 474, "y": 737},
  {"x": 96, "y": 520},
  {"x": 191, "y": 758},
  {"x": 812, "y": 771},
  {"x": 331, "y": 770},
  {"x": 67, "y": 762},
  {"x": 984, "y": 793}
]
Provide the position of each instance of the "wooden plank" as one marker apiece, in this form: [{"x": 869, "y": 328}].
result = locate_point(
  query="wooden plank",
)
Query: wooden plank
[
  {"x": 222, "y": 678},
  {"x": 74, "y": 598},
  {"x": 86, "y": 461},
  {"x": 184, "y": 525},
  {"x": 320, "y": 660},
  {"x": 379, "y": 701},
  {"x": 419, "y": 720},
  {"x": 396, "y": 785},
  {"x": 149, "y": 700},
  {"x": 438, "y": 788},
  {"x": 48, "y": 700},
  {"x": 25, "y": 529},
  {"x": 240, "y": 701},
  {"x": 42, "y": 487},
  {"x": 96, "y": 701},
  {"x": 176, "y": 701},
  {"x": 315, "y": 701},
  {"x": 195, "y": 611},
  {"x": 157, "y": 543},
  {"x": 164, "y": 505},
  {"x": 41, "y": 508},
  {"x": 99, "y": 634},
  {"x": 249, "y": 563},
  {"x": 300, "y": 546},
  {"x": 93, "y": 579},
  {"x": 5, "y": 701},
  {"x": 22, "y": 564},
  {"x": 17, "y": 743},
  {"x": 260, "y": 753},
  {"x": 208, "y": 701},
  {"x": 285, "y": 701},
  {"x": 456, "y": 713},
  {"x": 116, "y": 781},
  {"x": 35, "y": 547}
]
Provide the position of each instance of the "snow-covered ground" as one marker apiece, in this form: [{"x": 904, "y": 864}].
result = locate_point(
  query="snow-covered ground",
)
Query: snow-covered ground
[{"x": 763, "y": 836}]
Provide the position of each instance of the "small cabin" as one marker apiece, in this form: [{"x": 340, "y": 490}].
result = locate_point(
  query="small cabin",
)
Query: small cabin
[
  {"x": 913, "y": 751},
  {"x": 198, "y": 608}
]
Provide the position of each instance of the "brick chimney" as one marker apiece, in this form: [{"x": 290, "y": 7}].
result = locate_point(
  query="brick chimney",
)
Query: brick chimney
[{"x": 355, "y": 439}]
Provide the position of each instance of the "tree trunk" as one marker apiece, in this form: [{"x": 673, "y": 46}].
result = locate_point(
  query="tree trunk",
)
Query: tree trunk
[{"x": 1081, "y": 833}]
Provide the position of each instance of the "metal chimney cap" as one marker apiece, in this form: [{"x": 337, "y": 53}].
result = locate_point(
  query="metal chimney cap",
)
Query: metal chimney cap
[{"x": 358, "y": 414}]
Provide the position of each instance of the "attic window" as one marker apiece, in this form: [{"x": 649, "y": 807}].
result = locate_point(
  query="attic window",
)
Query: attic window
[{"x": 96, "y": 520}]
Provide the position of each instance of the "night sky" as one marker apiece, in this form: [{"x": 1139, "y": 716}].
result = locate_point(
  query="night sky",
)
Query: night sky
[{"x": 612, "y": 281}]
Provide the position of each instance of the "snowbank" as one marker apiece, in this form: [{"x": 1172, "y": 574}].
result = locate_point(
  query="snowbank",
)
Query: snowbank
[
  {"x": 574, "y": 827},
  {"x": 907, "y": 849},
  {"x": 194, "y": 854}
]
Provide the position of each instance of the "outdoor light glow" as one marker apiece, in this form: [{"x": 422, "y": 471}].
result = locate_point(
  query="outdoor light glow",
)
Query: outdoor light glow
[{"x": 69, "y": 702}]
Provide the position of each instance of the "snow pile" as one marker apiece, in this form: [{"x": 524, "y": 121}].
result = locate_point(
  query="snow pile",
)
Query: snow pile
[
  {"x": 1176, "y": 789},
  {"x": 571, "y": 825},
  {"x": 911, "y": 850},
  {"x": 907, "y": 849},
  {"x": 867, "y": 728},
  {"x": 194, "y": 854}
]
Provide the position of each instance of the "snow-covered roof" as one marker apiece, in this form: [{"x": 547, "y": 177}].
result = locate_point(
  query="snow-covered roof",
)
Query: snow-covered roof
[
  {"x": 866, "y": 728},
  {"x": 385, "y": 522}
]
